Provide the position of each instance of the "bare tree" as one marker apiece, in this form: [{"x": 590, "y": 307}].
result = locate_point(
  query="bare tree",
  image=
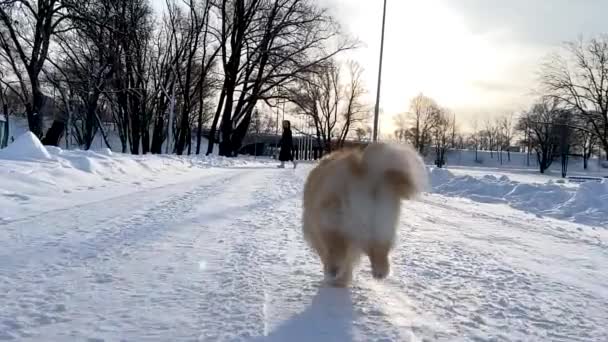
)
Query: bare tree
[
  {"x": 84, "y": 65},
  {"x": 130, "y": 91},
  {"x": 585, "y": 142},
  {"x": 442, "y": 132},
  {"x": 491, "y": 134},
  {"x": 157, "y": 79},
  {"x": 361, "y": 133},
  {"x": 423, "y": 112},
  {"x": 505, "y": 134},
  {"x": 475, "y": 137},
  {"x": 333, "y": 106},
  {"x": 193, "y": 72},
  {"x": 453, "y": 132},
  {"x": 545, "y": 122},
  {"x": 355, "y": 111},
  {"x": 262, "y": 123},
  {"x": 578, "y": 77},
  {"x": 25, "y": 36},
  {"x": 403, "y": 130},
  {"x": 4, "y": 112},
  {"x": 169, "y": 49},
  {"x": 265, "y": 46}
]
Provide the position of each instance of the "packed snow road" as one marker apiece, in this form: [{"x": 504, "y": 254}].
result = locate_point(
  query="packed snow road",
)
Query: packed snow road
[{"x": 221, "y": 258}]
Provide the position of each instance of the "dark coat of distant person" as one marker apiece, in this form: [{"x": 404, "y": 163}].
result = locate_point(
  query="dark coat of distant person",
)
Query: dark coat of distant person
[{"x": 286, "y": 143}]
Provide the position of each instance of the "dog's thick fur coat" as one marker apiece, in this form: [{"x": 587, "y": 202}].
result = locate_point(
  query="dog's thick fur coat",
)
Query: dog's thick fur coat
[{"x": 352, "y": 202}]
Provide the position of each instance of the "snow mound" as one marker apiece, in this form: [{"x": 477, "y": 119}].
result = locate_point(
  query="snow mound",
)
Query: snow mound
[
  {"x": 26, "y": 147},
  {"x": 105, "y": 151},
  {"x": 36, "y": 178},
  {"x": 586, "y": 204},
  {"x": 440, "y": 176},
  {"x": 589, "y": 204}
]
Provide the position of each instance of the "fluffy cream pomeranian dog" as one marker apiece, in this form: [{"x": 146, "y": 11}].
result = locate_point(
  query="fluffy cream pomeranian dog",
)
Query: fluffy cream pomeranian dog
[{"x": 352, "y": 203}]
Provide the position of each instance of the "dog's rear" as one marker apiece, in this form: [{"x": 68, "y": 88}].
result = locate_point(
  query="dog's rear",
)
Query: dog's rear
[{"x": 352, "y": 204}]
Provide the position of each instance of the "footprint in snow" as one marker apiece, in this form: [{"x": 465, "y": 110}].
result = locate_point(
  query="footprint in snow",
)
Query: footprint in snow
[{"x": 16, "y": 196}]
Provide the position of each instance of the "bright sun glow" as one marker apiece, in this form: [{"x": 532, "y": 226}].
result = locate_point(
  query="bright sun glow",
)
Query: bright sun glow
[{"x": 429, "y": 48}]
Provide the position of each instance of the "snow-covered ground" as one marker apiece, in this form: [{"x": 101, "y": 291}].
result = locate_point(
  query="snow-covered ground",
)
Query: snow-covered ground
[{"x": 102, "y": 246}]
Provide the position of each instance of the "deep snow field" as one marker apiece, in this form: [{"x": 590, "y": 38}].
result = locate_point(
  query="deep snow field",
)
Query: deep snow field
[{"x": 99, "y": 246}]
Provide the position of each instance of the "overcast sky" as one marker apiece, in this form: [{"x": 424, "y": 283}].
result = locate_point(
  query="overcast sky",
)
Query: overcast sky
[{"x": 474, "y": 56}]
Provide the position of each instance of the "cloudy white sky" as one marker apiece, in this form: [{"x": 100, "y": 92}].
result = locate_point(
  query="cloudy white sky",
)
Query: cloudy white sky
[
  {"x": 477, "y": 57},
  {"x": 474, "y": 56}
]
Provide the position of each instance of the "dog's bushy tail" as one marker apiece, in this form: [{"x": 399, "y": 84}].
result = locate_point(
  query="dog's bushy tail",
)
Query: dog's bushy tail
[{"x": 397, "y": 165}]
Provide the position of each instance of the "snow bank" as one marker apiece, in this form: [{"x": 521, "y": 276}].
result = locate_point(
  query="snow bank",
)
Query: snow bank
[
  {"x": 35, "y": 178},
  {"x": 589, "y": 204},
  {"x": 513, "y": 160},
  {"x": 586, "y": 204},
  {"x": 26, "y": 147}
]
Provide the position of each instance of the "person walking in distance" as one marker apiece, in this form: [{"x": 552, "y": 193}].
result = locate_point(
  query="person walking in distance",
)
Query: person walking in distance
[{"x": 286, "y": 145}]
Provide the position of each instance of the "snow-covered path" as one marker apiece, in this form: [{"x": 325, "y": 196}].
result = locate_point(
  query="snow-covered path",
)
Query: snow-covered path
[{"x": 221, "y": 258}]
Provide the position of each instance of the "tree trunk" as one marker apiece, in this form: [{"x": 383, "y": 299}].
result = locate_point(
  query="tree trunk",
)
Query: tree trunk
[
  {"x": 189, "y": 140},
  {"x": 240, "y": 132},
  {"x": 135, "y": 134},
  {"x": 216, "y": 118},
  {"x": 89, "y": 131},
  {"x": 34, "y": 116},
  {"x": 544, "y": 158},
  {"x": 199, "y": 126},
  {"x": 54, "y": 134},
  {"x": 183, "y": 132},
  {"x": 586, "y": 155},
  {"x": 156, "y": 146},
  {"x": 226, "y": 130},
  {"x": 145, "y": 140},
  {"x": 585, "y": 162},
  {"x": 104, "y": 136},
  {"x": 4, "y": 141}
]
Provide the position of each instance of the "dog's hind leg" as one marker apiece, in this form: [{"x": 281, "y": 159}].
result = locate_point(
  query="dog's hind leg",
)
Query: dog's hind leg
[
  {"x": 338, "y": 264},
  {"x": 378, "y": 256}
]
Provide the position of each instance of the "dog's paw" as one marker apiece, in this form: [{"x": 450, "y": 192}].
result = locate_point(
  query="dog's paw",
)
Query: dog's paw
[
  {"x": 332, "y": 272},
  {"x": 381, "y": 272},
  {"x": 339, "y": 283},
  {"x": 338, "y": 277}
]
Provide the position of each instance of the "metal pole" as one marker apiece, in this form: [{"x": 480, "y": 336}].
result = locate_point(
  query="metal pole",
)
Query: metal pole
[{"x": 377, "y": 109}]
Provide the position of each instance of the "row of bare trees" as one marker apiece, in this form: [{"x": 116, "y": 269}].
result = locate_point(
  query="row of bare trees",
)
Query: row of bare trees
[
  {"x": 331, "y": 98},
  {"x": 427, "y": 125},
  {"x": 575, "y": 80},
  {"x": 160, "y": 79},
  {"x": 552, "y": 130},
  {"x": 494, "y": 134},
  {"x": 571, "y": 115}
]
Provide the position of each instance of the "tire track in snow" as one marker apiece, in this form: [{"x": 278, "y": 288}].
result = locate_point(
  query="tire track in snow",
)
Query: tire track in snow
[
  {"x": 58, "y": 264},
  {"x": 238, "y": 278},
  {"x": 67, "y": 235},
  {"x": 503, "y": 288},
  {"x": 533, "y": 224}
]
